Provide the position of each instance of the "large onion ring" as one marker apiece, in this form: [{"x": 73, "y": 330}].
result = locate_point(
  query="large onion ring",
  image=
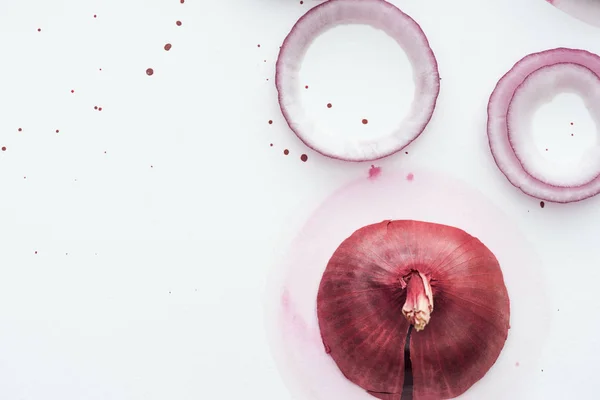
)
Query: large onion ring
[
  {"x": 378, "y": 14},
  {"x": 498, "y": 132},
  {"x": 584, "y": 10}
]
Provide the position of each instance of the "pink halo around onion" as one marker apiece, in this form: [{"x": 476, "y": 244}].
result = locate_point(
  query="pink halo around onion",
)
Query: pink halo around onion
[
  {"x": 292, "y": 323},
  {"x": 380, "y": 15},
  {"x": 525, "y": 74},
  {"x": 584, "y": 10}
]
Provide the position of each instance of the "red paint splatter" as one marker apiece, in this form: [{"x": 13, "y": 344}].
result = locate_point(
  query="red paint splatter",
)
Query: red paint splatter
[
  {"x": 99, "y": 69},
  {"x": 271, "y": 145},
  {"x": 72, "y": 91},
  {"x": 374, "y": 172},
  {"x": 35, "y": 252},
  {"x": 57, "y": 131},
  {"x": 306, "y": 87},
  {"x": 304, "y": 157},
  {"x": 542, "y": 204},
  {"x": 94, "y": 15},
  {"x": 329, "y": 105},
  {"x": 286, "y": 152},
  {"x": 546, "y": 149},
  {"x": 182, "y": 1},
  {"x": 410, "y": 177},
  {"x": 571, "y": 134},
  {"x": 270, "y": 121},
  {"x": 99, "y": 108},
  {"x": 178, "y": 23},
  {"x": 95, "y": 107},
  {"x": 406, "y": 152},
  {"x": 365, "y": 121},
  {"x": 571, "y": 123},
  {"x": 20, "y": 129},
  {"x": 149, "y": 71},
  {"x": 3, "y": 148},
  {"x": 258, "y": 45},
  {"x": 168, "y": 46},
  {"x": 39, "y": 29}
]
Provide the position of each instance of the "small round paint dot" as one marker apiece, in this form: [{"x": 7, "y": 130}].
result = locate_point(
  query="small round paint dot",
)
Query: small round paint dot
[
  {"x": 270, "y": 121},
  {"x": 306, "y": 87},
  {"x": 571, "y": 134},
  {"x": 57, "y": 131},
  {"x": 304, "y": 157},
  {"x": 168, "y": 46},
  {"x": 329, "y": 105},
  {"x": 182, "y": 1},
  {"x": 20, "y": 129},
  {"x": 406, "y": 152},
  {"x": 95, "y": 107},
  {"x": 410, "y": 177},
  {"x": 3, "y": 148},
  {"x": 542, "y": 204},
  {"x": 149, "y": 71},
  {"x": 99, "y": 108},
  {"x": 99, "y": 69},
  {"x": 286, "y": 152},
  {"x": 365, "y": 121},
  {"x": 178, "y": 23},
  {"x": 258, "y": 45},
  {"x": 571, "y": 123},
  {"x": 72, "y": 91},
  {"x": 301, "y": 2},
  {"x": 94, "y": 15},
  {"x": 39, "y": 29},
  {"x": 35, "y": 252}
]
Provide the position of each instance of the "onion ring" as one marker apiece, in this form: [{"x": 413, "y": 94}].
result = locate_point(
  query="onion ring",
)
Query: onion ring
[
  {"x": 584, "y": 10},
  {"x": 380, "y": 15},
  {"x": 524, "y": 73}
]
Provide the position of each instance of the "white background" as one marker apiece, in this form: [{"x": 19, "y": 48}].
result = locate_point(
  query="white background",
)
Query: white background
[{"x": 153, "y": 258}]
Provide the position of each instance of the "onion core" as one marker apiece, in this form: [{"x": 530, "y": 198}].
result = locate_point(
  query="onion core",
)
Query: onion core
[
  {"x": 380, "y": 15},
  {"x": 531, "y": 82}
]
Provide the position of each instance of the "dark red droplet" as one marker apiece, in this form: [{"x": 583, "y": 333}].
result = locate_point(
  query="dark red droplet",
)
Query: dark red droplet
[
  {"x": 304, "y": 157},
  {"x": 99, "y": 69},
  {"x": 286, "y": 152},
  {"x": 410, "y": 177},
  {"x": 406, "y": 152},
  {"x": 546, "y": 149},
  {"x": 168, "y": 46},
  {"x": 72, "y": 91},
  {"x": 270, "y": 121},
  {"x": 57, "y": 131},
  {"x": 542, "y": 204},
  {"x": 149, "y": 71},
  {"x": 365, "y": 121},
  {"x": 35, "y": 252},
  {"x": 329, "y": 105},
  {"x": 258, "y": 45},
  {"x": 94, "y": 15},
  {"x": 99, "y": 108},
  {"x": 39, "y": 29},
  {"x": 20, "y": 129},
  {"x": 3, "y": 148},
  {"x": 95, "y": 107},
  {"x": 271, "y": 145},
  {"x": 571, "y": 123},
  {"x": 178, "y": 23},
  {"x": 306, "y": 87}
]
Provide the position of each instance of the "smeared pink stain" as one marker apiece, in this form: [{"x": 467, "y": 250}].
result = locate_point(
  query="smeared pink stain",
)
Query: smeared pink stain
[
  {"x": 410, "y": 177},
  {"x": 374, "y": 172},
  {"x": 294, "y": 321},
  {"x": 517, "y": 364}
]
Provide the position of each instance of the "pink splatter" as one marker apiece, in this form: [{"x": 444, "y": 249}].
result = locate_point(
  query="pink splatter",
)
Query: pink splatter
[
  {"x": 517, "y": 364},
  {"x": 374, "y": 172},
  {"x": 410, "y": 177}
]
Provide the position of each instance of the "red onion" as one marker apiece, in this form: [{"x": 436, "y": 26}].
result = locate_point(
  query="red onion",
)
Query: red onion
[
  {"x": 445, "y": 282},
  {"x": 585, "y": 10},
  {"x": 378, "y": 14},
  {"x": 530, "y": 82}
]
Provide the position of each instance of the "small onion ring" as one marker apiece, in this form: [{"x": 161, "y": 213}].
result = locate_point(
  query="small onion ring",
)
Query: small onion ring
[
  {"x": 584, "y": 10},
  {"x": 380, "y": 15},
  {"x": 497, "y": 127}
]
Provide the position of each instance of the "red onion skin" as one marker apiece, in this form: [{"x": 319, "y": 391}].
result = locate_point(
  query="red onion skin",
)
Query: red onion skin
[{"x": 360, "y": 300}]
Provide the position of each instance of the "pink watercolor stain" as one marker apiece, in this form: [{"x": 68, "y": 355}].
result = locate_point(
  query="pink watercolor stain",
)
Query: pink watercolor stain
[
  {"x": 410, "y": 177},
  {"x": 297, "y": 348},
  {"x": 374, "y": 172}
]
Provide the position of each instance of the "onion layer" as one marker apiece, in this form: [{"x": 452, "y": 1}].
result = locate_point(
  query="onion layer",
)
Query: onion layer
[
  {"x": 385, "y": 270},
  {"x": 530, "y": 82},
  {"x": 378, "y": 14}
]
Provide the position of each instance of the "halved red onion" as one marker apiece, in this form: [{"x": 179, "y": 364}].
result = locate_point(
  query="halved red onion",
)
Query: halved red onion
[
  {"x": 389, "y": 275},
  {"x": 378, "y": 14},
  {"x": 585, "y": 10},
  {"x": 532, "y": 81}
]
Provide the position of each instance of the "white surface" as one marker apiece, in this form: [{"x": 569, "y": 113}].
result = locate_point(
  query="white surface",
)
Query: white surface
[{"x": 161, "y": 295}]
